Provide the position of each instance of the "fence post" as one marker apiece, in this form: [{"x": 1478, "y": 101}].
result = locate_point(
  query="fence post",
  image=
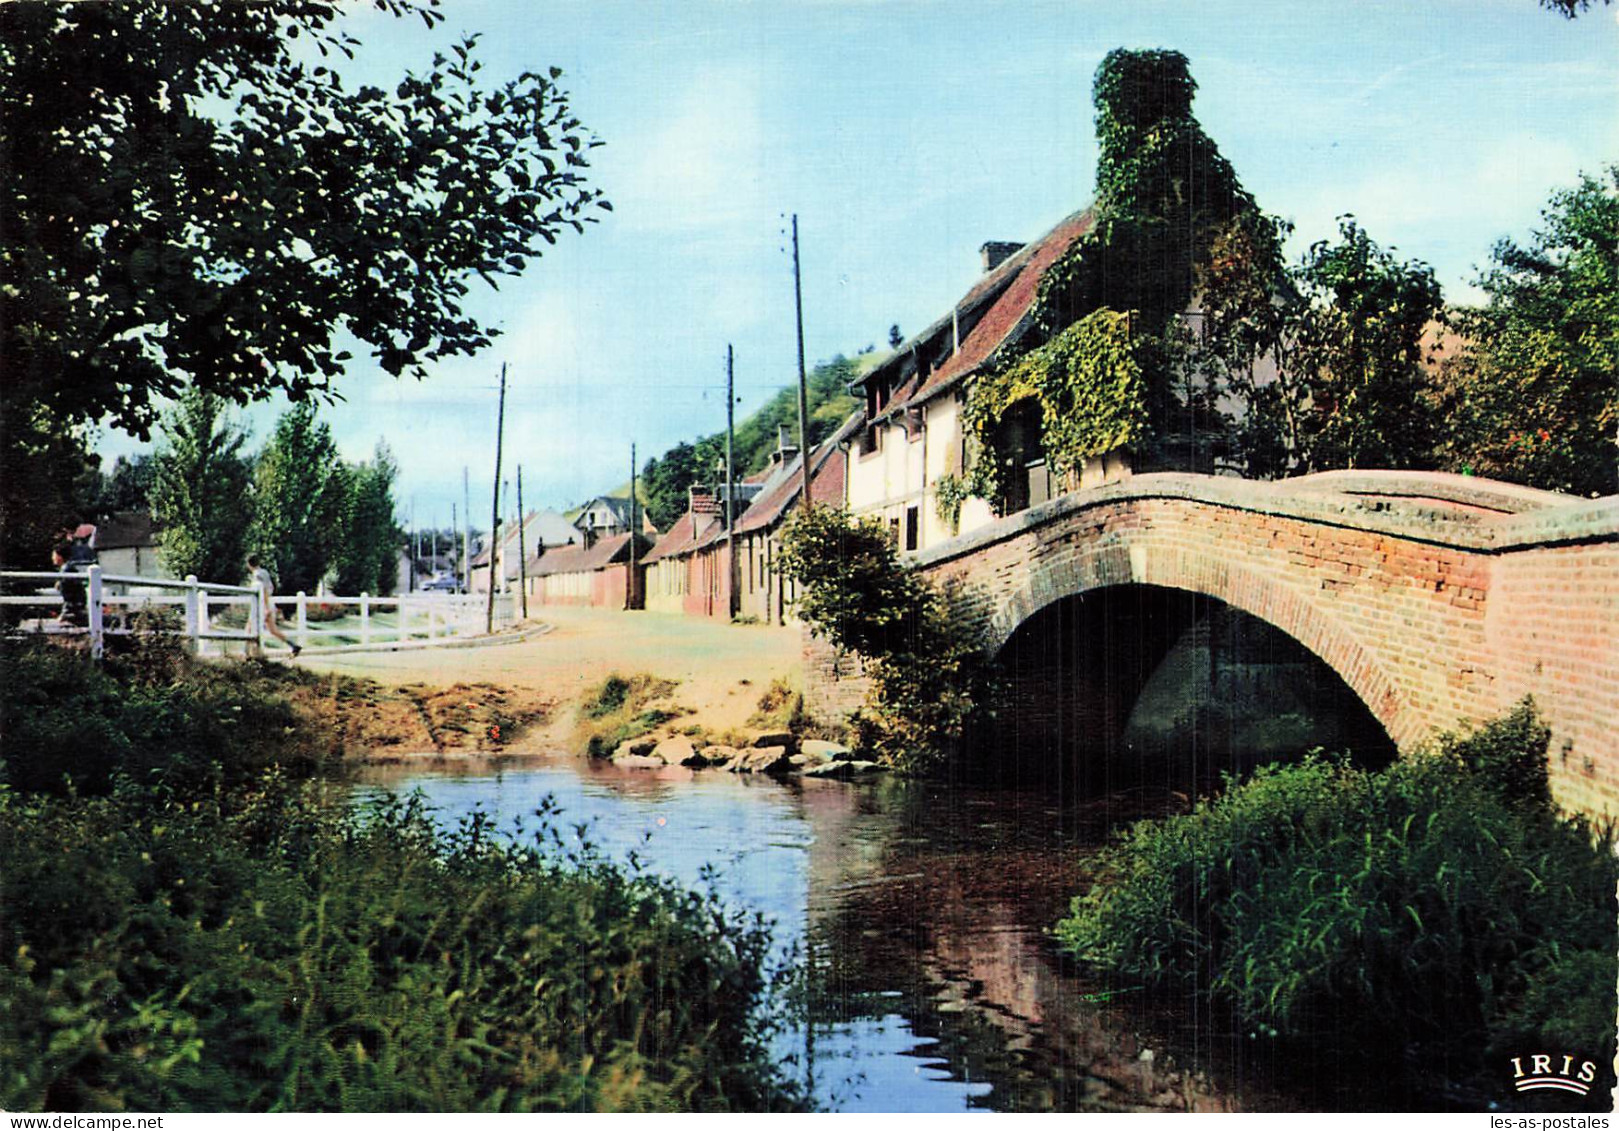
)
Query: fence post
[
  {"x": 96, "y": 638},
  {"x": 303, "y": 620},
  {"x": 257, "y": 610},
  {"x": 193, "y": 617},
  {"x": 365, "y": 618},
  {"x": 204, "y": 618}
]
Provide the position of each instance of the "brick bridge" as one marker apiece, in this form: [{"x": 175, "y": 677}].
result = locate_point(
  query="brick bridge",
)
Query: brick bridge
[{"x": 1439, "y": 600}]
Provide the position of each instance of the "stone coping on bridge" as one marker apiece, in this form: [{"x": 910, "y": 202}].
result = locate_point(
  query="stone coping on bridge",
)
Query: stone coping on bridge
[
  {"x": 1480, "y": 495},
  {"x": 1427, "y": 507}
]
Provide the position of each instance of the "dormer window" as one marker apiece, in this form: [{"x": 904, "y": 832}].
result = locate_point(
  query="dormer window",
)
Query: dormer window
[{"x": 878, "y": 393}]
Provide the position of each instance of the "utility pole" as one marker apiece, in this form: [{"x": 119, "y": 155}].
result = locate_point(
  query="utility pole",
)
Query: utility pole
[
  {"x": 454, "y": 522},
  {"x": 803, "y": 382},
  {"x": 494, "y": 508},
  {"x": 730, "y": 479},
  {"x": 522, "y": 556},
  {"x": 414, "y": 543},
  {"x": 466, "y": 532},
  {"x": 629, "y": 581}
]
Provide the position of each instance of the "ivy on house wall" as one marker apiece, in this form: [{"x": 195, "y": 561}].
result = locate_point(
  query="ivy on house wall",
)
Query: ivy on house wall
[
  {"x": 1164, "y": 198},
  {"x": 1090, "y": 389}
]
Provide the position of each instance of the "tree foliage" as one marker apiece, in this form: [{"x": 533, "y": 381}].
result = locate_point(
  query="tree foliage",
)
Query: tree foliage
[
  {"x": 1354, "y": 387},
  {"x": 368, "y": 551},
  {"x": 202, "y": 491},
  {"x": 667, "y": 478},
  {"x": 48, "y": 481},
  {"x": 925, "y": 670},
  {"x": 665, "y": 481},
  {"x": 128, "y": 487},
  {"x": 302, "y": 500},
  {"x": 1534, "y": 395},
  {"x": 189, "y": 198},
  {"x": 1089, "y": 386},
  {"x": 1167, "y": 205}
]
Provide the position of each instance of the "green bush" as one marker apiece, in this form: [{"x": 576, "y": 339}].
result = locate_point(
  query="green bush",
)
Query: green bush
[
  {"x": 620, "y": 709},
  {"x": 1404, "y": 915},
  {"x": 283, "y": 953},
  {"x": 925, "y": 670},
  {"x": 148, "y": 719}
]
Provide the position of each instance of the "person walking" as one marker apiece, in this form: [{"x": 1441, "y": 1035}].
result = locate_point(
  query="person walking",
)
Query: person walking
[
  {"x": 74, "y": 612},
  {"x": 265, "y": 584}
]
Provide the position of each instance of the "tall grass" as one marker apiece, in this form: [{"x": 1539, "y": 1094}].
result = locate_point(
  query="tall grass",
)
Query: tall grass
[
  {"x": 149, "y": 719},
  {"x": 1432, "y": 917},
  {"x": 182, "y": 929}
]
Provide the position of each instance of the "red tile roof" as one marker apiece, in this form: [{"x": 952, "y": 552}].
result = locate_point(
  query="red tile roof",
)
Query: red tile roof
[
  {"x": 826, "y": 482},
  {"x": 1007, "y": 316},
  {"x": 577, "y": 559},
  {"x": 1008, "y": 292},
  {"x": 677, "y": 540}
]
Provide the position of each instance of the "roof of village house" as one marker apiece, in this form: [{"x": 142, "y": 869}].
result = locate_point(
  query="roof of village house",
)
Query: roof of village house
[
  {"x": 578, "y": 559},
  {"x": 542, "y": 528},
  {"x": 767, "y": 507},
  {"x": 620, "y": 506},
  {"x": 827, "y": 469},
  {"x": 124, "y": 529},
  {"x": 678, "y": 539},
  {"x": 1004, "y": 297}
]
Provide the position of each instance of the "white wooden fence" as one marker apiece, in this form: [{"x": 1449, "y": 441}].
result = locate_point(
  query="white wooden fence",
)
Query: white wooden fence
[{"x": 113, "y": 602}]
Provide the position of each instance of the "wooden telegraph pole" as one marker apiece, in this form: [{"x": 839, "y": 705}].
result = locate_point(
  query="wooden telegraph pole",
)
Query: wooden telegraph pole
[
  {"x": 466, "y": 532},
  {"x": 494, "y": 509},
  {"x": 629, "y": 580},
  {"x": 522, "y": 555},
  {"x": 730, "y": 482},
  {"x": 803, "y": 382}
]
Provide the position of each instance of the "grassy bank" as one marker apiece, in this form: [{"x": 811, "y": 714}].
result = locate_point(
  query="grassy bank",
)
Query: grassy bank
[
  {"x": 184, "y": 928},
  {"x": 1414, "y": 927}
]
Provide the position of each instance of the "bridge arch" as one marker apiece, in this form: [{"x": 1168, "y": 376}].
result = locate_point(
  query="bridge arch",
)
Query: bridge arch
[{"x": 1119, "y": 561}]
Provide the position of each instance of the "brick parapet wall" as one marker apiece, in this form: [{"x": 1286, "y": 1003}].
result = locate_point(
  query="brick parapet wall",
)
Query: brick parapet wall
[{"x": 1436, "y": 617}]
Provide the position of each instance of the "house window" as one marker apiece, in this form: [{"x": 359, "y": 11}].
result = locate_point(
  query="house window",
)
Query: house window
[
  {"x": 912, "y": 527},
  {"x": 914, "y": 424},
  {"x": 893, "y": 531},
  {"x": 871, "y": 440}
]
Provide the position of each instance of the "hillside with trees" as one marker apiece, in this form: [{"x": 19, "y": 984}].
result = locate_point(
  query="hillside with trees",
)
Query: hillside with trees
[{"x": 665, "y": 479}]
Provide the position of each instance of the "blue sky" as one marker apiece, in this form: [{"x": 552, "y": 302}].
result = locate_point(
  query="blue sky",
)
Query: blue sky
[{"x": 904, "y": 135}]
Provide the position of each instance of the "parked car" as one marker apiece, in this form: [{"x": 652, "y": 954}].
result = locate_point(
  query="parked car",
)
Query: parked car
[{"x": 442, "y": 585}]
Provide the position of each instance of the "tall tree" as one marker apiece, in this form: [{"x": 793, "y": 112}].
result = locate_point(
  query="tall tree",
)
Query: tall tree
[
  {"x": 665, "y": 482},
  {"x": 49, "y": 480},
  {"x": 202, "y": 491},
  {"x": 190, "y": 198},
  {"x": 1354, "y": 378},
  {"x": 302, "y": 495},
  {"x": 129, "y": 486},
  {"x": 369, "y": 550},
  {"x": 1534, "y": 394}
]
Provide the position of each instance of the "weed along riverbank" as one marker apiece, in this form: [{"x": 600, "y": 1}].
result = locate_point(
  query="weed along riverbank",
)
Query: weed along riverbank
[
  {"x": 593, "y": 874},
  {"x": 198, "y": 918}
]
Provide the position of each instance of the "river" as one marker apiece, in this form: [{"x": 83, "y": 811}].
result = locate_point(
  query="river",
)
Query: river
[{"x": 922, "y": 912}]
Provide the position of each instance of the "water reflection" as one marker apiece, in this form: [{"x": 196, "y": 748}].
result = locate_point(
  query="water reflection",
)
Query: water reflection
[{"x": 920, "y": 913}]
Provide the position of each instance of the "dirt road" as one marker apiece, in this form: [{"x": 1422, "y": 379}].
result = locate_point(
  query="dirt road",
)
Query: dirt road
[{"x": 722, "y": 669}]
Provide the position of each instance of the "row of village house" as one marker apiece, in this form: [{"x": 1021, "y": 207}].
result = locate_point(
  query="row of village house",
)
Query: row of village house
[{"x": 886, "y": 460}]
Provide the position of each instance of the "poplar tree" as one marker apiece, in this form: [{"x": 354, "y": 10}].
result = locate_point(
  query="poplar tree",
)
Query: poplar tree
[
  {"x": 302, "y": 492},
  {"x": 202, "y": 491}
]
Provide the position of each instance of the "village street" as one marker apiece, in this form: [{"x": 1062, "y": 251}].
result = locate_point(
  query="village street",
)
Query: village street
[{"x": 722, "y": 669}]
